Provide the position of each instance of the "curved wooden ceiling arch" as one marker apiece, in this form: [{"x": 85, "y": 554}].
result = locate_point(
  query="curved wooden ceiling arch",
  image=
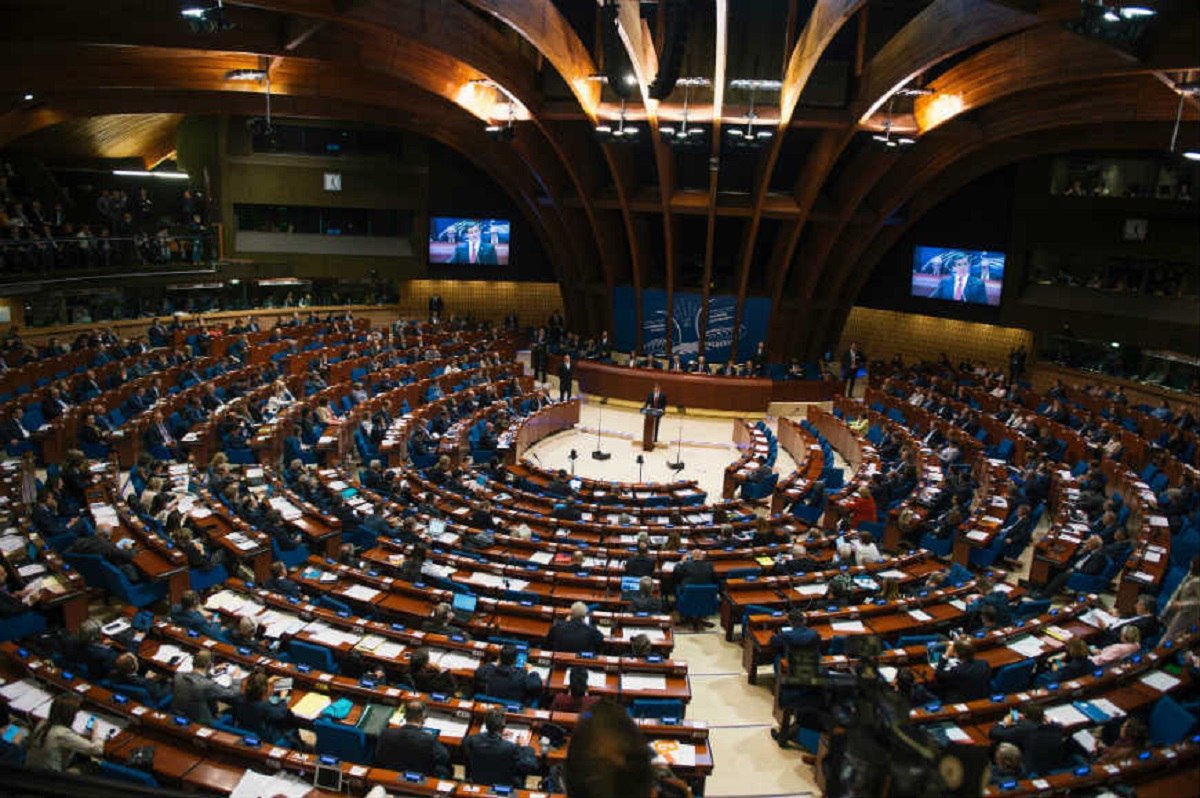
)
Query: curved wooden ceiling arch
[
  {"x": 1130, "y": 136},
  {"x": 1042, "y": 111},
  {"x": 941, "y": 30}
]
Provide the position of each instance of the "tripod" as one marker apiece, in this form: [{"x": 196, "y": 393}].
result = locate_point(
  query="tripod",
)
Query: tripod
[{"x": 600, "y": 454}]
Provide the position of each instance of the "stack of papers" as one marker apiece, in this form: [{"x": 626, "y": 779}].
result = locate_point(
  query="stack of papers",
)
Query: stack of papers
[
  {"x": 310, "y": 706},
  {"x": 106, "y": 725},
  {"x": 848, "y": 626},
  {"x": 224, "y": 601},
  {"x": 1067, "y": 715},
  {"x": 447, "y": 724},
  {"x": 639, "y": 681},
  {"x": 675, "y": 753},
  {"x": 27, "y": 696},
  {"x": 360, "y": 592},
  {"x": 814, "y": 589},
  {"x": 1027, "y": 646},
  {"x": 1159, "y": 681},
  {"x": 253, "y": 785}
]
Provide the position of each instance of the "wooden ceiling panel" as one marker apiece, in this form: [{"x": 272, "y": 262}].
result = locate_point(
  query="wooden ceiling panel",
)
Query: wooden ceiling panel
[{"x": 146, "y": 136}]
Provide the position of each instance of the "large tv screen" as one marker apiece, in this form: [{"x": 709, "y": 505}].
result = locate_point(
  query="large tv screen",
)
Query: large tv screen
[
  {"x": 469, "y": 242},
  {"x": 970, "y": 276}
]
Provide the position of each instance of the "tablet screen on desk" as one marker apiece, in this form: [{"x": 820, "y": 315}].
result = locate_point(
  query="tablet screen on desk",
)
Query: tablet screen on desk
[{"x": 328, "y": 777}]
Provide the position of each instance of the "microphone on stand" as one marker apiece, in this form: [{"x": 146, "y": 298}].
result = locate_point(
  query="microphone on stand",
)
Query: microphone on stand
[
  {"x": 678, "y": 464},
  {"x": 599, "y": 453}
]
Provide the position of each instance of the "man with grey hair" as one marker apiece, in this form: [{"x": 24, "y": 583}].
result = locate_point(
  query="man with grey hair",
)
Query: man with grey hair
[
  {"x": 101, "y": 544},
  {"x": 575, "y": 635},
  {"x": 645, "y": 600}
]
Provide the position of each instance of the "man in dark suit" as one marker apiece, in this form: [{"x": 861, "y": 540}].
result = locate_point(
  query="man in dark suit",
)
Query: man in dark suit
[
  {"x": 475, "y": 249},
  {"x": 644, "y": 599},
  {"x": 1019, "y": 531},
  {"x": 410, "y": 748},
  {"x": 1143, "y": 618},
  {"x": 641, "y": 564},
  {"x": 963, "y": 284},
  {"x": 440, "y": 621},
  {"x": 1090, "y": 560},
  {"x": 1041, "y": 741},
  {"x": 491, "y": 759},
  {"x": 566, "y": 378},
  {"x": 961, "y": 677},
  {"x": 505, "y": 680},
  {"x": 567, "y": 511},
  {"x": 575, "y": 635},
  {"x": 852, "y": 361},
  {"x": 656, "y": 400},
  {"x": 101, "y": 543},
  {"x": 695, "y": 569}
]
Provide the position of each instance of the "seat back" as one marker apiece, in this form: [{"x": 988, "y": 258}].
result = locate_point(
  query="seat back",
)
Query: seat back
[
  {"x": 657, "y": 708},
  {"x": 111, "y": 770},
  {"x": 1169, "y": 722},
  {"x": 347, "y": 743},
  {"x": 696, "y": 601},
  {"x": 1014, "y": 677},
  {"x": 312, "y": 655}
]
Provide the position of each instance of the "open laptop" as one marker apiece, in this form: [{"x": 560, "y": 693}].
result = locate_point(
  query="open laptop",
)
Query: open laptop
[
  {"x": 464, "y": 606},
  {"x": 437, "y": 526}
]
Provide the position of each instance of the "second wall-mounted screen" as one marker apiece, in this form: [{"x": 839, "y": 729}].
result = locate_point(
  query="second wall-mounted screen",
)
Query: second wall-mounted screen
[
  {"x": 971, "y": 276},
  {"x": 469, "y": 242}
]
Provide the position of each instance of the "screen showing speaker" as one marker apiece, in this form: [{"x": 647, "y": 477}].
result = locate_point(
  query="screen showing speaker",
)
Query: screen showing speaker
[
  {"x": 952, "y": 274},
  {"x": 469, "y": 242}
]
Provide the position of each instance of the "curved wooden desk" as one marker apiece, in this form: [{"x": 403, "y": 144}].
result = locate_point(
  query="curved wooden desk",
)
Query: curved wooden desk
[{"x": 743, "y": 394}]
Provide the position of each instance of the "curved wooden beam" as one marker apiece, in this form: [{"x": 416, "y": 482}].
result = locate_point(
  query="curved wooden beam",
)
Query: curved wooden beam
[
  {"x": 1129, "y": 98},
  {"x": 943, "y": 29},
  {"x": 541, "y": 24},
  {"x": 826, "y": 19},
  {"x": 1135, "y": 136},
  {"x": 714, "y": 155}
]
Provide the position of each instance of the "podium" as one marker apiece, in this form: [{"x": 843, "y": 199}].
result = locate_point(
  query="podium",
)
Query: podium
[{"x": 652, "y": 415}]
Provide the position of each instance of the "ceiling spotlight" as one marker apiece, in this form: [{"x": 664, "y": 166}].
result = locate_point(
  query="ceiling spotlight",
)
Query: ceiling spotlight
[
  {"x": 1111, "y": 16},
  {"x": 684, "y": 136},
  {"x": 1192, "y": 155},
  {"x": 621, "y": 133},
  {"x": 205, "y": 16},
  {"x": 256, "y": 75},
  {"x": 749, "y": 137},
  {"x": 28, "y": 97},
  {"x": 1134, "y": 12},
  {"x": 630, "y": 79},
  {"x": 914, "y": 92}
]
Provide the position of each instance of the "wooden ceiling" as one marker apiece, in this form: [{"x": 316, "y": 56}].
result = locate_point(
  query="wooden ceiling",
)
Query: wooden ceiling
[
  {"x": 805, "y": 211},
  {"x": 149, "y": 137}
]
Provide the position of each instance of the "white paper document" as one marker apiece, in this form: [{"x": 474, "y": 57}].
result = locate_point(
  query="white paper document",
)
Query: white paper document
[
  {"x": 642, "y": 681},
  {"x": 1159, "y": 681},
  {"x": 1067, "y": 715}
]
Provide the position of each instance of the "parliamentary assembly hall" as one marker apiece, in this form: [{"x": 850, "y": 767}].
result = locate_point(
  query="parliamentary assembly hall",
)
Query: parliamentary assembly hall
[{"x": 600, "y": 398}]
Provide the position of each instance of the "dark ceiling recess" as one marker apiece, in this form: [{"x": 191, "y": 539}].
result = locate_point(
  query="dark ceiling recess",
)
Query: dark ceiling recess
[
  {"x": 677, "y": 19},
  {"x": 616, "y": 61}
]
